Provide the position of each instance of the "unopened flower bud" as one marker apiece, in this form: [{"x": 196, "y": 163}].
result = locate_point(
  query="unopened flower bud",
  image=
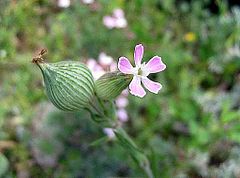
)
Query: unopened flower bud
[
  {"x": 111, "y": 84},
  {"x": 69, "y": 85}
]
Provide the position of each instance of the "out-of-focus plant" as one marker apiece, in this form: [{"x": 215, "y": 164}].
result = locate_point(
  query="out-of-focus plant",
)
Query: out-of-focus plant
[
  {"x": 198, "y": 109},
  {"x": 3, "y": 164}
]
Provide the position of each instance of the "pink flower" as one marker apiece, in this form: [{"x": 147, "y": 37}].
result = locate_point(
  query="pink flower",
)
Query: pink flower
[
  {"x": 109, "y": 132},
  {"x": 121, "y": 23},
  {"x": 109, "y": 22},
  {"x": 117, "y": 20},
  {"x": 104, "y": 59},
  {"x": 141, "y": 71},
  {"x": 118, "y": 13},
  {"x": 113, "y": 66},
  {"x": 124, "y": 93},
  {"x": 121, "y": 102},
  {"x": 96, "y": 69},
  {"x": 122, "y": 115}
]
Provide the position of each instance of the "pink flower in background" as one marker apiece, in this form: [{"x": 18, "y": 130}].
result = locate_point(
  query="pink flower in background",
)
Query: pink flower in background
[
  {"x": 121, "y": 101},
  {"x": 122, "y": 114},
  {"x": 124, "y": 93},
  {"x": 104, "y": 59},
  {"x": 141, "y": 71},
  {"x": 118, "y": 13},
  {"x": 120, "y": 21},
  {"x": 105, "y": 63},
  {"x": 96, "y": 69},
  {"x": 117, "y": 20},
  {"x": 109, "y": 22},
  {"x": 109, "y": 132}
]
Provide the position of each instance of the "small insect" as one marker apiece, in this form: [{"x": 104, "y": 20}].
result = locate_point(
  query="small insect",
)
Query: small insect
[{"x": 39, "y": 58}]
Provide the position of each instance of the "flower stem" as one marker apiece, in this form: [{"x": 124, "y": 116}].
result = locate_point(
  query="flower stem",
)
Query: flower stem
[
  {"x": 125, "y": 141},
  {"x": 128, "y": 144}
]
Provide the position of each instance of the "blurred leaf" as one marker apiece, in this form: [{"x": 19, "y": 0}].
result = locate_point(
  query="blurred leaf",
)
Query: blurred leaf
[
  {"x": 99, "y": 141},
  {"x": 3, "y": 164}
]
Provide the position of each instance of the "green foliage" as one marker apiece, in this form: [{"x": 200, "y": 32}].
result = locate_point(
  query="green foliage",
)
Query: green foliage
[
  {"x": 3, "y": 165},
  {"x": 193, "y": 119}
]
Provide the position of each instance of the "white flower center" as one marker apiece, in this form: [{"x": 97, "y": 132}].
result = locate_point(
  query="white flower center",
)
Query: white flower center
[{"x": 140, "y": 70}]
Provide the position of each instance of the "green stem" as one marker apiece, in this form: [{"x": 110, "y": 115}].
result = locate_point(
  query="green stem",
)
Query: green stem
[
  {"x": 127, "y": 143},
  {"x": 96, "y": 109},
  {"x": 101, "y": 103}
]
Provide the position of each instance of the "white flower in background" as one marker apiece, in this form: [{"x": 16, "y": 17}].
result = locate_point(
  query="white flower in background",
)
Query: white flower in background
[
  {"x": 95, "y": 68},
  {"x": 117, "y": 20},
  {"x": 120, "y": 21},
  {"x": 88, "y": 1},
  {"x": 122, "y": 115},
  {"x": 104, "y": 59},
  {"x": 113, "y": 66},
  {"x": 121, "y": 102},
  {"x": 234, "y": 51},
  {"x": 3, "y": 53},
  {"x": 109, "y": 132},
  {"x": 109, "y": 22},
  {"x": 106, "y": 63},
  {"x": 63, "y": 3},
  {"x": 125, "y": 92},
  {"x": 118, "y": 13}
]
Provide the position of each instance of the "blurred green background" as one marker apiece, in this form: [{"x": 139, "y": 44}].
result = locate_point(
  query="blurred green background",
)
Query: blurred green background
[{"x": 190, "y": 129}]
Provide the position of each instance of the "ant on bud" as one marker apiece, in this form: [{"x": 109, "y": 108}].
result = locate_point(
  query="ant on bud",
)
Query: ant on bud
[{"x": 39, "y": 58}]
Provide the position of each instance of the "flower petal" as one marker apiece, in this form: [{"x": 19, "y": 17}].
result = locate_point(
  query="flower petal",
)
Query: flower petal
[
  {"x": 155, "y": 65},
  {"x": 109, "y": 132},
  {"x": 104, "y": 59},
  {"x": 118, "y": 13},
  {"x": 152, "y": 86},
  {"x": 109, "y": 22},
  {"x": 122, "y": 115},
  {"x": 124, "y": 65},
  {"x": 136, "y": 87},
  {"x": 138, "y": 54},
  {"x": 121, "y": 102}
]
